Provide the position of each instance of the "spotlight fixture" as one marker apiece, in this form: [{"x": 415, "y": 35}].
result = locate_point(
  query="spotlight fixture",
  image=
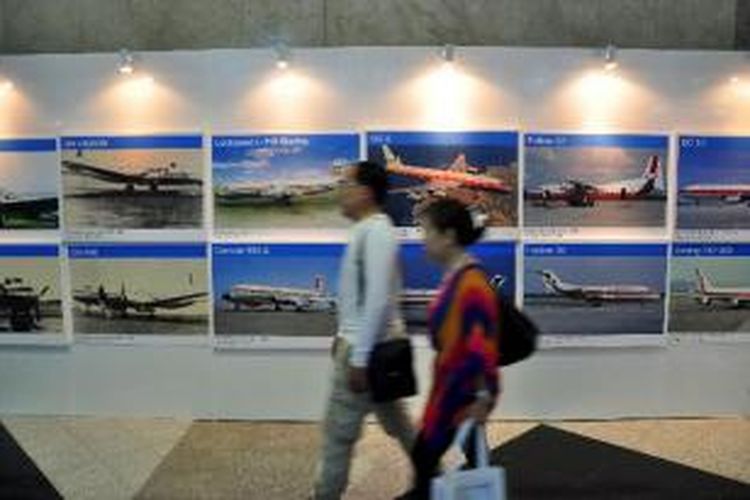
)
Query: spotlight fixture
[
  {"x": 448, "y": 53},
  {"x": 283, "y": 55},
  {"x": 6, "y": 85},
  {"x": 126, "y": 66},
  {"x": 610, "y": 57}
]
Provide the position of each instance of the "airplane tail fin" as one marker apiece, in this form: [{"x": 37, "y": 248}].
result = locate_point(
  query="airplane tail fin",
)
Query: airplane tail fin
[
  {"x": 652, "y": 168},
  {"x": 320, "y": 284},
  {"x": 550, "y": 280},
  {"x": 460, "y": 164},
  {"x": 389, "y": 155},
  {"x": 704, "y": 284}
]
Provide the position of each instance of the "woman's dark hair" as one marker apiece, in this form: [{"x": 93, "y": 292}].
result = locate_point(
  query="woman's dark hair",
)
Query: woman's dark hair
[
  {"x": 447, "y": 213},
  {"x": 373, "y": 176}
]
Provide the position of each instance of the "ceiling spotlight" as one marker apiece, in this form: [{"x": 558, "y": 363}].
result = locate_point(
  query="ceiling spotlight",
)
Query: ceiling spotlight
[
  {"x": 5, "y": 87},
  {"x": 734, "y": 80},
  {"x": 283, "y": 55},
  {"x": 448, "y": 53},
  {"x": 610, "y": 57},
  {"x": 126, "y": 66}
]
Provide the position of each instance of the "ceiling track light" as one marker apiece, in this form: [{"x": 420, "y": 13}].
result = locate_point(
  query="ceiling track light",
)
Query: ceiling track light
[
  {"x": 610, "y": 57},
  {"x": 283, "y": 55},
  {"x": 126, "y": 65},
  {"x": 448, "y": 53},
  {"x": 6, "y": 85}
]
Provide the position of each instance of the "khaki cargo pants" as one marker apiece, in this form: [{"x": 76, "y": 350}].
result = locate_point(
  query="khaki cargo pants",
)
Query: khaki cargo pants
[{"x": 342, "y": 427}]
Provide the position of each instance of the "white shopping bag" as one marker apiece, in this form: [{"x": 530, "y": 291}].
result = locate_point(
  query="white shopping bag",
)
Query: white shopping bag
[{"x": 482, "y": 483}]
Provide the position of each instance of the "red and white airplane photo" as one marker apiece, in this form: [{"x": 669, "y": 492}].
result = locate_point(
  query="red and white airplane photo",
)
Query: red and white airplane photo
[
  {"x": 459, "y": 174},
  {"x": 584, "y": 193}
]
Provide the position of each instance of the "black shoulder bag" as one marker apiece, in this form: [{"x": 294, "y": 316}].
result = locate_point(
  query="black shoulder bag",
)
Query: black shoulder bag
[
  {"x": 390, "y": 369},
  {"x": 516, "y": 333}
]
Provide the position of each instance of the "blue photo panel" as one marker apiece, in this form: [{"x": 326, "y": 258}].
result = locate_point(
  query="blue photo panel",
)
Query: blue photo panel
[
  {"x": 477, "y": 168},
  {"x": 30, "y": 291},
  {"x": 422, "y": 278},
  {"x": 29, "y": 184},
  {"x": 595, "y": 180},
  {"x": 713, "y": 178},
  {"x": 139, "y": 289},
  {"x": 596, "y": 289},
  {"x": 285, "y": 290},
  {"x": 280, "y": 181},
  {"x": 133, "y": 182},
  {"x": 710, "y": 288}
]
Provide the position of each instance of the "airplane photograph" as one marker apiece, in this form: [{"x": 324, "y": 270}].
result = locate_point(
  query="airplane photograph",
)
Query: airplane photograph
[
  {"x": 29, "y": 187},
  {"x": 477, "y": 168},
  {"x": 28, "y": 211},
  {"x": 117, "y": 304},
  {"x": 139, "y": 296},
  {"x": 713, "y": 177},
  {"x": 132, "y": 188},
  {"x": 30, "y": 300},
  {"x": 281, "y": 290},
  {"x": 264, "y": 297},
  {"x": 595, "y": 181},
  {"x": 596, "y": 289},
  {"x": 422, "y": 278},
  {"x": 710, "y": 293},
  {"x": 597, "y": 295},
  {"x": 280, "y": 181}
]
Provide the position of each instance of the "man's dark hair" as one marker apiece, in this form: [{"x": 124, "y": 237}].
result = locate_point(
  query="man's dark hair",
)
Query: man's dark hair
[
  {"x": 447, "y": 213},
  {"x": 373, "y": 176}
]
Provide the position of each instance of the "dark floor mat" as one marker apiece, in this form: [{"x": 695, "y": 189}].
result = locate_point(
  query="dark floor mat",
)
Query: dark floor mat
[
  {"x": 548, "y": 463},
  {"x": 19, "y": 476}
]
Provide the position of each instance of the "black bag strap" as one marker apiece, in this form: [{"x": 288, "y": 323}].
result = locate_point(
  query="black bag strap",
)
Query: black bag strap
[{"x": 361, "y": 248}]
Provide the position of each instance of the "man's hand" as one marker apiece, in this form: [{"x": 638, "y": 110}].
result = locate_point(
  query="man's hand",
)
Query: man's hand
[
  {"x": 357, "y": 379},
  {"x": 335, "y": 346}
]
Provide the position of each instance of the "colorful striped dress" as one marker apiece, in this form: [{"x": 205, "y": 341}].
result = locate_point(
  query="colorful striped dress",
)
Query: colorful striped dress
[{"x": 463, "y": 324}]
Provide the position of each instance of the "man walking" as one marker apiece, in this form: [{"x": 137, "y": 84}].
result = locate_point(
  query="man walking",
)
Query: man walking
[{"x": 370, "y": 284}]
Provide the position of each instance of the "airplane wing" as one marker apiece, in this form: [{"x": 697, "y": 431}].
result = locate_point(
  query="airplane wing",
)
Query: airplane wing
[
  {"x": 175, "y": 302},
  {"x": 85, "y": 298},
  {"x": 103, "y": 174},
  {"x": 580, "y": 185}
]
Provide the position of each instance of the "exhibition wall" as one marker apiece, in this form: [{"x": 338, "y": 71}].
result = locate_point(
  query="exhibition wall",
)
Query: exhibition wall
[{"x": 156, "y": 212}]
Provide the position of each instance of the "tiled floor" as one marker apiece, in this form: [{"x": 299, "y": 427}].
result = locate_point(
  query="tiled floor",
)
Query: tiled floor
[
  {"x": 96, "y": 458},
  {"x": 165, "y": 459}
]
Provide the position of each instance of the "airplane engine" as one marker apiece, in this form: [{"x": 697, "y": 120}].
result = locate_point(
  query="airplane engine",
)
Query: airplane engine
[{"x": 21, "y": 320}]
